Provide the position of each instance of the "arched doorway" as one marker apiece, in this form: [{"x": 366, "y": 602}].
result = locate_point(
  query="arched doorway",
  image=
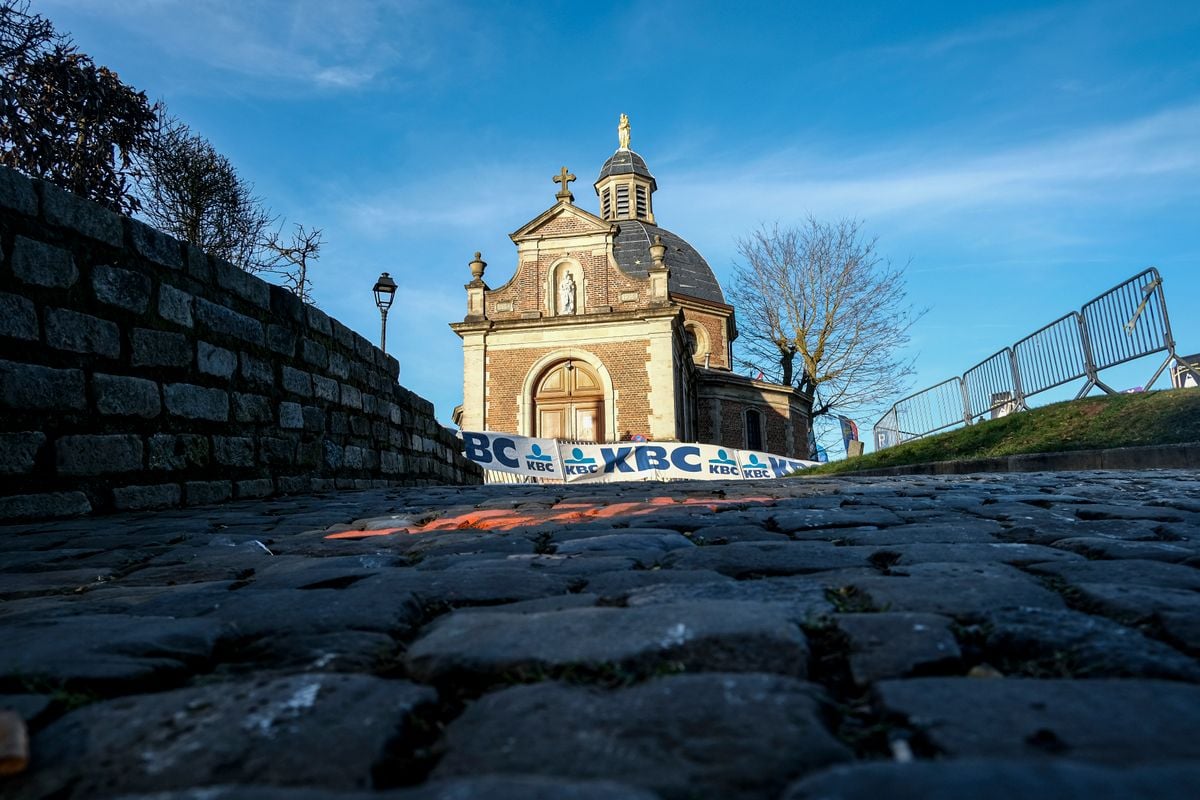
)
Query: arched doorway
[{"x": 568, "y": 403}]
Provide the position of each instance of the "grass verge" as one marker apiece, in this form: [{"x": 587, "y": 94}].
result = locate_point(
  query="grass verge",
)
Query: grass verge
[{"x": 1093, "y": 423}]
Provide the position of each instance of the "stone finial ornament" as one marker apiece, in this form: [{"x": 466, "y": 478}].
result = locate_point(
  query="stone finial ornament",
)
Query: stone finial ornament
[
  {"x": 658, "y": 252},
  {"x": 623, "y": 132},
  {"x": 477, "y": 267}
]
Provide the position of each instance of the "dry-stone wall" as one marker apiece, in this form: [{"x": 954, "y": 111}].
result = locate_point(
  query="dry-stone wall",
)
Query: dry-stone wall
[{"x": 138, "y": 372}]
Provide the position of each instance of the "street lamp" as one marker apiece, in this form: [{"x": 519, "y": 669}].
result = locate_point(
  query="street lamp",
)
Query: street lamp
[{"x": 385, "y": 291}]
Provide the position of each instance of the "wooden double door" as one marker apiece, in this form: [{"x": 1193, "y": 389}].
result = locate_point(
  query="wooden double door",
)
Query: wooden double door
[{"x": 569, "y": 403}]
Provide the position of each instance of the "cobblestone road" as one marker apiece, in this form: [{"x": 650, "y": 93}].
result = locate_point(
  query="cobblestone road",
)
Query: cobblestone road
[{"x": 998, "y": 636}]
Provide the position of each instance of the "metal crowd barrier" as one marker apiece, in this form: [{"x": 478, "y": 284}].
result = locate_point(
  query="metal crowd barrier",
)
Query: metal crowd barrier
[{"x": 1127, "y": 322}]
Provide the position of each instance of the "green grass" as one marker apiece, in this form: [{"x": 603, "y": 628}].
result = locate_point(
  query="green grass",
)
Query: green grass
[{"x": 1093, "y": 423}]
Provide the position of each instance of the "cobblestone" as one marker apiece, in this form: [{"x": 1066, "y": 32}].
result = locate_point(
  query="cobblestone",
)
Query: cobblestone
[{"x": 780, "y": 640}]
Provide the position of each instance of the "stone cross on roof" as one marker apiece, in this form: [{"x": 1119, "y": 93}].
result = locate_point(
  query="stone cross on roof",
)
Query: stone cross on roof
[{"x": 564, "y": 178}]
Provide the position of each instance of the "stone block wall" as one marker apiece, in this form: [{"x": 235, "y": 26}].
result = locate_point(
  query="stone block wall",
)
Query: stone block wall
[{"x": 138, "y": 372}]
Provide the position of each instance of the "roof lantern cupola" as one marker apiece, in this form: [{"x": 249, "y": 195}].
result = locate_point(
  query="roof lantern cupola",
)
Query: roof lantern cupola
[{"x": 625, "y": 186}]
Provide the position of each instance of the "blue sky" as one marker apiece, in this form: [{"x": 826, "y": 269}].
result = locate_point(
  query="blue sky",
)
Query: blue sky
[{"x": 1020, "y": 157}]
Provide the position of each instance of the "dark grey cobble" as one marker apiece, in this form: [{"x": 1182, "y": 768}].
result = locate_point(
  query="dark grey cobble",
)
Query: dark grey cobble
[
  {"x": 18, "y": 318},
  {"x": 118, "y": 395},
  {"x": 291, "y": 417},
  {"x": 199, "y": 493},
  {"x": 242, "y": 283},
  {"x": 351, "y": 397},
  {"x": 28, "y": 386},
  {"x": 19, "y": 450},
  {"x": 218, "y": 319},
  {"x": 281, "y": 340},
  {"x": 175, "y": 305},
  {"x": 154, "y": 244},
  {"x": 160, "y": 349},
  {"x": 297, "y": 382},
  {"x": 213, "y": 360},
  {"x": 257, "y": 372},
  {"x": 122, "y": 288},
  {"x": 260, "y": 487},
  {"x": 198, "y": 265},
  {"x": 67, "y": 210},
  {"x": 233, "y": 451},
  {"x": 43, "y": 264},
  {"x": 318, "y": 320},
  {"x": 82, "y": 333},
  {"x": 171, "y": 452},
  {"x": 196, "y": 402},
  {"x": 795, "y": 639},
  {"x": 16, "y": 193},
  {"x": 160, "y": 495},
  {"x": 339, "y": 366},
  {"x": 315, "y": 353},
  {"x": 98, "y": 454},
  {"x": 44, "y": 506},
  {"x": 251, "y": 408},
  {"x": 325, "y": 388}
]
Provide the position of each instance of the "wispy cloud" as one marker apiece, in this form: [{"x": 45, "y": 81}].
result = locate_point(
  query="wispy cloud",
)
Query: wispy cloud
[
  {"x": 290, "y": 44},
  {"x": 989, "y": 31},
  {"x": 1101, "y": 165}
]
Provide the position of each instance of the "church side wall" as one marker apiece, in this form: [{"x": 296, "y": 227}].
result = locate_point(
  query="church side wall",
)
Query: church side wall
[
  {"x": 138, "y": 372},
  {"x": 714, "y": 326},
  {"x": 721, "y": 418}
]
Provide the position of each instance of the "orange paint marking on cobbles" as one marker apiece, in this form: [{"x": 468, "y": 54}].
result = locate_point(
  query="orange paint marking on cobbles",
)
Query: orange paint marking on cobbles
[{"x": 507, "y": 519}]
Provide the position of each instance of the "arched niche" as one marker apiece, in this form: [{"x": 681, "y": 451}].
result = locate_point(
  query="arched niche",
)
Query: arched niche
[
  {"x": 555, "y": 295},
  {"x": 697, "y": 340}
]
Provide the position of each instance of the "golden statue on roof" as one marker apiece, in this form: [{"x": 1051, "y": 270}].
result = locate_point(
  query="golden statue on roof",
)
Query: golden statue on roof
[{"x": 623, "y": 132}]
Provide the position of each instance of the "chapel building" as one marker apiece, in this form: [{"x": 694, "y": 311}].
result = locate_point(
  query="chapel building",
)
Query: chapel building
[{"x": 614, "y": 328}]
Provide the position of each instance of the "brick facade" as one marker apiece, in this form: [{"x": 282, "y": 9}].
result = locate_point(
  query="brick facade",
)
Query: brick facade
[
  {"x": 716, "y": 326},
  {"x": 626, "y": 363}
]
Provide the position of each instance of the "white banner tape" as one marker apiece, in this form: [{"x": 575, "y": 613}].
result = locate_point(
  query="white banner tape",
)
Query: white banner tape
[{"x": 621, "y": 461}]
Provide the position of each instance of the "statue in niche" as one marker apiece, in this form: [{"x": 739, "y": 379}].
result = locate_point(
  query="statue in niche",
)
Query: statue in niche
[{"x": 566, "y": 294}]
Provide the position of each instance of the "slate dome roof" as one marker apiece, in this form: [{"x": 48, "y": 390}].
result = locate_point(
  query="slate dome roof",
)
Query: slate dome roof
[
  {"x": 626, "y": 162},
  {"x": 690, "y": 273}
]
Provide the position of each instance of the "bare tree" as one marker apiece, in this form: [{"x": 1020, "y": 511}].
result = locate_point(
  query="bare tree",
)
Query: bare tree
[
  {"x": 820, "y": 309},
  {"x": 22, "y": 34},
  {"x": 290, "y": 258},
  {"x": 62, "y": 118},
  {"x": 192, "y": 192}
]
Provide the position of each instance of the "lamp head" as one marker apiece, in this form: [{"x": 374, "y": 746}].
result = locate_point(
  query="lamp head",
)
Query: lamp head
[{"x": 385, "y": 291}]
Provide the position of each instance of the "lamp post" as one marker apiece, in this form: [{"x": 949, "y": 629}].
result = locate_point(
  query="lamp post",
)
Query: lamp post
[{"x": 385, "y": 291}]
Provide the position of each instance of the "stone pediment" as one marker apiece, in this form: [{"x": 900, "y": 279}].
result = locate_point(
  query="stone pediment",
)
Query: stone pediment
[{"x": 562, "y": 219}]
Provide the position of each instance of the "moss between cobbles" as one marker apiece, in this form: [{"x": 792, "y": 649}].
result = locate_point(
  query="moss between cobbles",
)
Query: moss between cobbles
[
  {"x": 850, "y": 600},
  {"x": 1094, "y": 423},
  {"x": 850, "y": 711}
]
